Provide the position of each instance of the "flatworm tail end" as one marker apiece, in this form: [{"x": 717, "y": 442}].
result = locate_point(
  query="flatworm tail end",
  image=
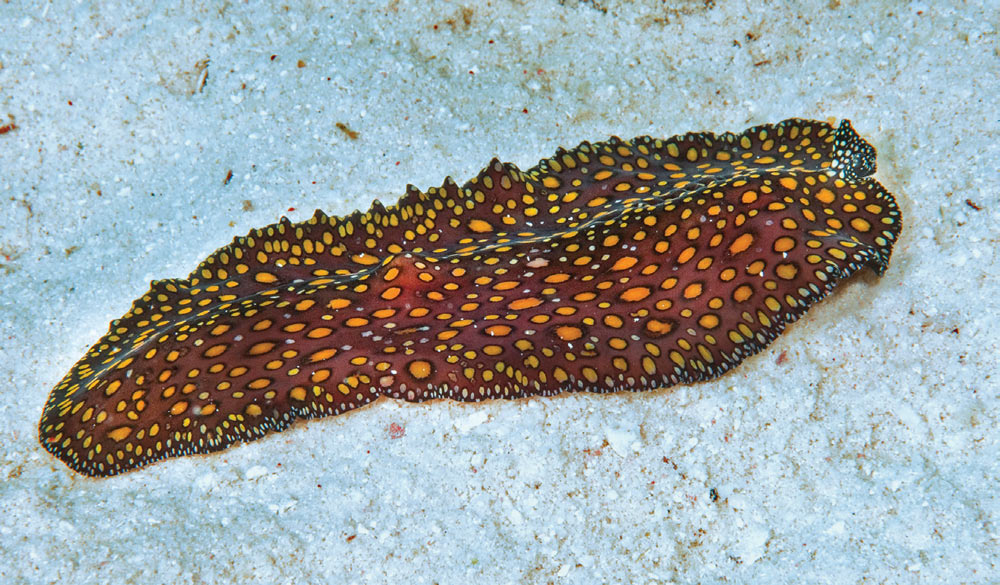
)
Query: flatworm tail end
[{"x": 618, "y": 265}]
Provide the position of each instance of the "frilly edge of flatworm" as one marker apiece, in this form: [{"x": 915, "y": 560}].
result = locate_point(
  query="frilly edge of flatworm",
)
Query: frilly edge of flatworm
[{"x": 619, "y": 265}]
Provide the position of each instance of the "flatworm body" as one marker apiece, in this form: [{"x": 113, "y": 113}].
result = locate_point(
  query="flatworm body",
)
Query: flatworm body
[{"x": 620, "y": 265}]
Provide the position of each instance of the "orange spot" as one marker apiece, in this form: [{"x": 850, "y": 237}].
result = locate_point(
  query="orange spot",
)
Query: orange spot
[
  {"x": 825, "y": 196},
  {"x": 338, "y": 304},
  {"x": 658, "y": 328},
  {"x": 742, "y": 293},
  {"x": 352, "y": 322},
  {"x": 624, "y": 263},
  {"x": 320, "y": 332},
  {"x": 498, "y": 330},
  {"x": 692, "y": 291},
  {"x": 525, "y": 303},
  {"x": 557, "y": 278},
  {"x": 634, "y": 294},
  {"x": 492, "y": 350},
  {"x": 686, "y": 255},
  {"x": 569, "y": 333},
  {"x": 786, "y": 271},
  {"x": 261, "y": 348},
  {"x": 323, "y": 354},
  {"x": 253, "y": 410},
  {"x": 740, "y": 244},
  {"x": 784, "y": 244},
  {"x": 178, "y": 408},
  {"x": 861, "y": 225},
  {"x": 259, "y": 384},
  {"x": 506, "y": 285},
  {"x": 216, "y": 350},
  {"x": 788, "y": 182},
  {"x": 218, "y": 330},
  {"x": 420, "y": 369},
  {"x": 709, "y": 321}
]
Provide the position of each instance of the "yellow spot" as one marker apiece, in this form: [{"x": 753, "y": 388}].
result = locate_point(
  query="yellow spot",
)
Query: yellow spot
[
  {"x": 265, "y": 277},
  {"x": 861, "y": 225},
  {"x": 253, "y": 410},
  {"x": 120, "y": 433},
  {"x": 550, "y": 182},
  {"x": 112, "y": 387},
  {"x": 178, "y": 408},
  {"x": 365, "y": 259},
  {"x": 479, "y": 226}
]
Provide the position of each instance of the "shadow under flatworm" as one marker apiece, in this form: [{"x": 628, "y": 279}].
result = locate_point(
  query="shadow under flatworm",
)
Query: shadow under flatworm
[{"x": 620, "y": 265}]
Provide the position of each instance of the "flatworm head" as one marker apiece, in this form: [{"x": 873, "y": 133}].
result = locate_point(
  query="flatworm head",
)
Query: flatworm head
[{"x": 620, "y": 265}]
